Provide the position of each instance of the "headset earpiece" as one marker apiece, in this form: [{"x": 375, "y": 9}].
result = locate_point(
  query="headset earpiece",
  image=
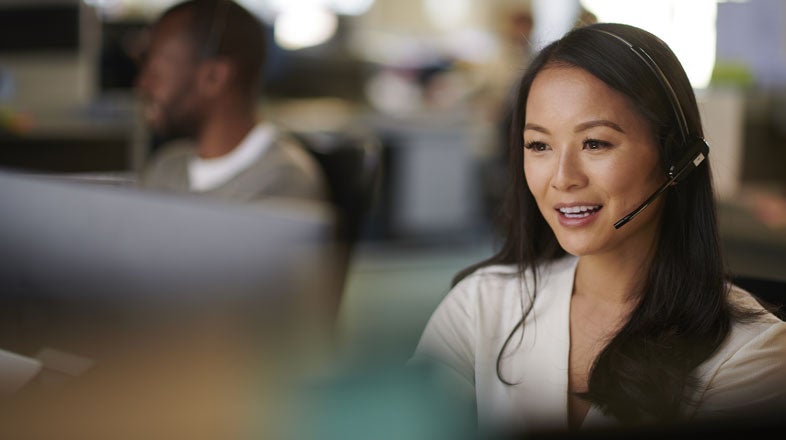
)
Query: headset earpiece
[{"x": 696, "y": 152}]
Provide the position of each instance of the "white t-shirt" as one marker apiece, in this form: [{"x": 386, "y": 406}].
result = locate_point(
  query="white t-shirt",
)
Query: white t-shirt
[
  {"x": 208, "y": 174},
  {"x": 469, "y": 327}
]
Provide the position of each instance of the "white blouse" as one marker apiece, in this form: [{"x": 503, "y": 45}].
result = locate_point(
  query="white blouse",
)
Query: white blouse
[{"x": 469, "y": 327}]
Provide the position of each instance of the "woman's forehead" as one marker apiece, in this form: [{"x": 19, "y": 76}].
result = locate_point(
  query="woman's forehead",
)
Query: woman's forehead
[{"x": 572, "y": 91}]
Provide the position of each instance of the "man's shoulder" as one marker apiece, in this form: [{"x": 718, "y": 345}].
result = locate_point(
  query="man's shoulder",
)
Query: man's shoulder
[
  {"x": 167, "y": 166},
  {"x": 277, "y": 161},
  {"x": 284, "y": 169},
  {"x": 288, "y": 147},
  {"x": 176, "y": 150}
]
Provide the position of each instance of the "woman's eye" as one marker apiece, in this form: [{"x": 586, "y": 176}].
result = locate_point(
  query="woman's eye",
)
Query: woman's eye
[
  {"x": 536, "y": 146},
  {"x": 594, "y": 144}
]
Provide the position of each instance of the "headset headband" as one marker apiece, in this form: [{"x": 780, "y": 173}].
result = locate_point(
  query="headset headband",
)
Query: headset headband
[
  {"x": 664, "y": 82},
  {"x": 217, "y": 27}
]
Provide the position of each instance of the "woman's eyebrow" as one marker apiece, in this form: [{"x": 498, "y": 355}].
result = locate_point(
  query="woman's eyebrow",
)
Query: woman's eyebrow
[
  {"x": 598, "y": 123},
  {"x": 536, "y": 127},
  {"x": 581, "y": 127}
]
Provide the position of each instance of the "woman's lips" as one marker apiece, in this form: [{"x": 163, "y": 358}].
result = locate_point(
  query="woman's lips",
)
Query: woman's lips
[{"x": 577, "y": 214}]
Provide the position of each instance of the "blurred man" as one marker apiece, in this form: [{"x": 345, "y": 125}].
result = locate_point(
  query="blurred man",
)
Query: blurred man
[{"x": 199, "y": 83}]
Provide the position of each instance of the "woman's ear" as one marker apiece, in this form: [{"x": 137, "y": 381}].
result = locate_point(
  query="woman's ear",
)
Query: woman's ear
[{"x": 214, "y": 77}]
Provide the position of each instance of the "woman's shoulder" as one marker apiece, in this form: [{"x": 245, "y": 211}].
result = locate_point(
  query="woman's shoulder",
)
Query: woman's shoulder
[
  {"x": 485, "y": 287},
  {"x": 747, "y": 303},
  {"x": 748, "y": 371},
  {"x": 753, "y": 328}
]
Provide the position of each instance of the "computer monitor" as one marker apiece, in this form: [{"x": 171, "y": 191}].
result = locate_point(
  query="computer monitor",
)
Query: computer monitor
[
  {"x": 90, "y": 269},
  {"x": 155, "y": 315},
  {"x": 39, "y": 27}
]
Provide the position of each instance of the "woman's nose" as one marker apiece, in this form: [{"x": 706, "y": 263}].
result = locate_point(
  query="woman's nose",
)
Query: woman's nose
[{"x": 568, "y": 172}]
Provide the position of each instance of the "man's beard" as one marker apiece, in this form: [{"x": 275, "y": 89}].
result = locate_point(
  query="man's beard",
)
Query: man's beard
[
  {"x": 181, "y": 117},
  {"x": 181, "y": 124}
]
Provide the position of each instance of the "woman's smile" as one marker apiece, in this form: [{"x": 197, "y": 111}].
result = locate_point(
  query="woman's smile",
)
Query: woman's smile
[{"x": 578, "y": 214}]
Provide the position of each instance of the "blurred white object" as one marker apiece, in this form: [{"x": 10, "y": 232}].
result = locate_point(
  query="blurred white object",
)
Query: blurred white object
[
  {"x": 688, "y": 27},
  {"x": 302, "y": 26},
  {"x": 722, "y": 116},
  {"x": 16, "y": 371},
  {"x": 393, "y": 94},
  {"x": 552, "y": 19}
]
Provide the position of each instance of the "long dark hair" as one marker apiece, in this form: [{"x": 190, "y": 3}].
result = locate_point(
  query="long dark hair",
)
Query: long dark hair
[{"x": 645, "y": 371}]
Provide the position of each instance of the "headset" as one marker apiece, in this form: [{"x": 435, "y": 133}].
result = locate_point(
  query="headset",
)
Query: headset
[
  {"x": 218, "y": 26},
  {"x": 696, "y": 148}
]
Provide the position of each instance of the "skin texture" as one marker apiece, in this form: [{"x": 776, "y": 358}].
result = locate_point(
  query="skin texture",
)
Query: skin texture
[{"x": 586, "y": 146}]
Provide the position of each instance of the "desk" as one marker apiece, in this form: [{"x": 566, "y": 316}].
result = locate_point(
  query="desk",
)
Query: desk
[{"x": 101, "y": 137}]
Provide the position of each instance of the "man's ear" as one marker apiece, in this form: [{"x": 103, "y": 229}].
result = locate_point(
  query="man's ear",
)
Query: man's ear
[{"x": 214, "y": 77}]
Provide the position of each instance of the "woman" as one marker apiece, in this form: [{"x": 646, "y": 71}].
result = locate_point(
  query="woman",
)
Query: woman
[{"x": 577, "y": 322}]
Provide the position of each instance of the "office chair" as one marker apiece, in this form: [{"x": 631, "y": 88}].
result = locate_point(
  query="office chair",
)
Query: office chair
[
  {"x": 352, "y": 164},
  {"x": 772, "y": 292}
]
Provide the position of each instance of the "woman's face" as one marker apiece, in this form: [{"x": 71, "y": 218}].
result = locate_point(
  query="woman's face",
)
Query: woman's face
[{"x": 589, "y": 160}]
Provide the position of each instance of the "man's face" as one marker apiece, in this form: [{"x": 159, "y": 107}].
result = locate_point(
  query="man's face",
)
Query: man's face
[{"x": 168, "y": 79}]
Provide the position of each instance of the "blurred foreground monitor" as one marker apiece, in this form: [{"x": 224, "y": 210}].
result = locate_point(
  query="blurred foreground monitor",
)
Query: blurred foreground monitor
[{"x": 180, "y": 313}]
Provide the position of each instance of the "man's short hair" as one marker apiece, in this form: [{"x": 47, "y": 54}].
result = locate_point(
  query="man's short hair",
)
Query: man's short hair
[{"x": 223, "y": 28}]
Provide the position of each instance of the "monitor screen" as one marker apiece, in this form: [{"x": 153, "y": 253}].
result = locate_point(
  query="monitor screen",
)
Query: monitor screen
[
  {"x": 85, "y": 264},
  {"x": 154, "y": 315},
  {"x": 26, "y": 28}
]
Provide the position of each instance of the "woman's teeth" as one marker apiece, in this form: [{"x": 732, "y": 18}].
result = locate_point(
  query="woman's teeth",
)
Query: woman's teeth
[{"x": 579, "y": 211}]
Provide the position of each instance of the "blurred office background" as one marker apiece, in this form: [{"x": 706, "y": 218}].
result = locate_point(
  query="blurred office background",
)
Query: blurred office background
[{"x": 430, "y": 79}]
